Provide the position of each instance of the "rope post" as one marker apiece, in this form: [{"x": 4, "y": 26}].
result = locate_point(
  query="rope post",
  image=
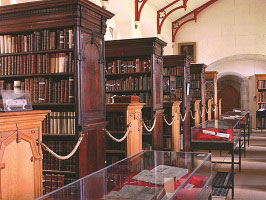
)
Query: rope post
[
  {"x": 197, "y": 112},
  {"x": 210, "y": 109}
]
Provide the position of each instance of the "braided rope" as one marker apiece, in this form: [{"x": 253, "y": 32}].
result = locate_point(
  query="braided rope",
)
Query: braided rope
[
  {"x": 169, "y": 124},
  {"x": 149, "y": 129},
  {"x": 207, "y": 111},
  {"x": 191, "y": 113},
  {"x": 214, "y": 108},
  {"x": 46, "y": 148},
  {"x": 115, "y": 139},
  {"x": 183, "y": 118}
]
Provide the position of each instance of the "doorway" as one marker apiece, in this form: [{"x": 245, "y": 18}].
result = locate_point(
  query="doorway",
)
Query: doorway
[{"x": 230, "y": 97}]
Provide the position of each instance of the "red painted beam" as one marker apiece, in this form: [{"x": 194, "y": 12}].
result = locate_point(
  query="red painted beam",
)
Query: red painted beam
[
  {"x": 177, "y": 24},
  {"x": 138, "y": 8},
  {"x": 166, "y": 14}
]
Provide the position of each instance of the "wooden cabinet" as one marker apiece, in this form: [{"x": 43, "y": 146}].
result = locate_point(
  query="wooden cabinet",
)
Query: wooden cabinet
[
  {"x": 134, "y": 68},
  {"x": 198, "y": 90},
  {"x": 56, "y": 51},
  {"x": 176, "y": 75},
  {"x": 21, "y": 154}
]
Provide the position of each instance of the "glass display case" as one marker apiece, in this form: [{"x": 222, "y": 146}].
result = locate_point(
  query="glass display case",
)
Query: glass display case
[
  {"x": 146, "y": 175},
  {"x": 222, "y": 135},
  {"x": 245, "y": 120}
]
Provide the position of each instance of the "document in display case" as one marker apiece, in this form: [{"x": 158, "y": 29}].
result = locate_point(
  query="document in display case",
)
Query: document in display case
[
  {"x": 149, "y": 175},
  {"x": 222, "y": 135}
]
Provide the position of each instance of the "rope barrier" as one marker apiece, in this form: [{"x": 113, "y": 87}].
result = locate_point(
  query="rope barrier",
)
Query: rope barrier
[
  {"x": 183, "y": 119},
  {"x": 46, "y": 148},
  {"x": 201, "y": 113},
  {"x": 113, "y": 100},
  {"x": 191, "y": 113},
  {"x": 207, "y": 111},
  {"x": 149, "y": 129},
  {"x": 214, "y": 108},
  {"x": 115, "y": 139},
  {"x": 169, "y": 124}
]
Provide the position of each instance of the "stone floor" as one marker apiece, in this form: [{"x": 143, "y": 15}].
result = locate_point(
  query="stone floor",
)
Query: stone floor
[{"x": 250, "y": 183}]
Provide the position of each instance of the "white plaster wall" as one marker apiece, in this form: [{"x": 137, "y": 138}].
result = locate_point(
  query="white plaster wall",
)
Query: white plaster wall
[{"x": 228, "y": 27}]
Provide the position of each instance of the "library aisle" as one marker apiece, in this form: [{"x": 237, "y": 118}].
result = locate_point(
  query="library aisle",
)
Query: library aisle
[{"x": 250, "y": 183}]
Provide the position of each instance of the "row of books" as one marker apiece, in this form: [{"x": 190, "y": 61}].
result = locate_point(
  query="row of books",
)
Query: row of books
[
  {"x": 195, "y": 76},
  {"x": 55, "y": 181},
  {"x": 195, "y": 84},
  {"x": 261, "y": 96},
  {"x": 113, "y": 145},
  {"x": 61, "y": 148},
  {"x": 173, "y": 71},
  {"x": 44, "y": 90},
  {"x": 116, "y": 121},
  {"x": 59, "y": 123},
  {"x": 52, "y": 182},
  {"x": 195, "y": 93},
  {"x": 261, "y": 84},
  {"x": 128, "y": 66},
  {"x": 262, "y": 106},
  {"x": 37, "y": 41},
  {"x": 113, "y": 158},
  {"x": 130, "y": 83},
  {"x": 143, "y": 98},
  {"x": 209, "y": 89},
  {"x": 170, "y": 98},
  {"x": 167, "y": 143},
  {"x": 170, "y": 84},
  {"x": 36, "y": 64}
]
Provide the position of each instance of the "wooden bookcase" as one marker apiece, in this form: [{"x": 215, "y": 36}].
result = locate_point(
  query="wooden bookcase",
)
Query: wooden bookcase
[
  {"x": 124, "y": 112},
  {"x": 211, "y": 90},
  {"x": 260, "y": 97},
  {"x": 176, "y": 76},
  {"x": 197, "y": 87},
  {"x": 54, "y": 49},
  {"x": 134, "y": 67}
]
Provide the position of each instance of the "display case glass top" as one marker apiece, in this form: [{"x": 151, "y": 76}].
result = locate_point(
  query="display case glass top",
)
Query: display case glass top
[
  {"x": 216, "y": 130},
  {"x": 146, "y": 175}
]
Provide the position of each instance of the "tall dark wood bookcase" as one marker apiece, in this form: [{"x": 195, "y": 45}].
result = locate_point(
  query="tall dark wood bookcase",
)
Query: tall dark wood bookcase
[
  {"x": 55, "y": 50},
  {"x": 134, "y": 67},
  {"x": 197, "y": 86},
  {"x": 176, "y": 77}
]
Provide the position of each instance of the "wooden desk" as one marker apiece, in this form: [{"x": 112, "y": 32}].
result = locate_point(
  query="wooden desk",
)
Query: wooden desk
[{"x": 20, "y": 156}]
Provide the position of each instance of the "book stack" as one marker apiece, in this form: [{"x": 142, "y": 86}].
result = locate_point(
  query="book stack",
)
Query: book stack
[
  {"x": 173, "y": 71},
  {"x": 61, "y": 148},
  {"x": 261, "y": 84},
  {"x": 262, "y": 96},
  {"x": 52, "y": 182},
  {"x": 45, "y": 90},
  {"x": 129, "y": 83},
  {"x": 37, "y": 64},
  {"x": 37, "y": 41},
  {"x": 128, "y": 66},
  {"x": 59, "y": 123}
]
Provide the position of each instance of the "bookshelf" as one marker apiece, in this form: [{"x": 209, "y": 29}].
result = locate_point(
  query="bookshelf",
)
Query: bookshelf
[
  {"x": 197, "y": 88},
  {"x": 124, "y": 112},
  {"x": 260, "y": 98},
  {"x": 134, "y": 68},
  {"x": 211, "y": 89},
  {"x": 54, "y": 49},
  {"x": 176, "y": 76}
]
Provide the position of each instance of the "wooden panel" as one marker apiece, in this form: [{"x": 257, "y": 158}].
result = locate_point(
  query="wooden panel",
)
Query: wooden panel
[{"x": 91, "y": 83}]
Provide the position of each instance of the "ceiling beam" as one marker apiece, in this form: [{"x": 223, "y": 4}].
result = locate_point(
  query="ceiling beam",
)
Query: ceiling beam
[
  {"x": 163, "y": 13},
  {"x": 139, "y": 4},
  {"x": 191, "y": 16}
]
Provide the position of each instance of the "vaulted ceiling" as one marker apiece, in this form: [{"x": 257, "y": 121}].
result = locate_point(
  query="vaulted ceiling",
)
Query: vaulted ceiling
[{"x": 179, "y": 12}]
